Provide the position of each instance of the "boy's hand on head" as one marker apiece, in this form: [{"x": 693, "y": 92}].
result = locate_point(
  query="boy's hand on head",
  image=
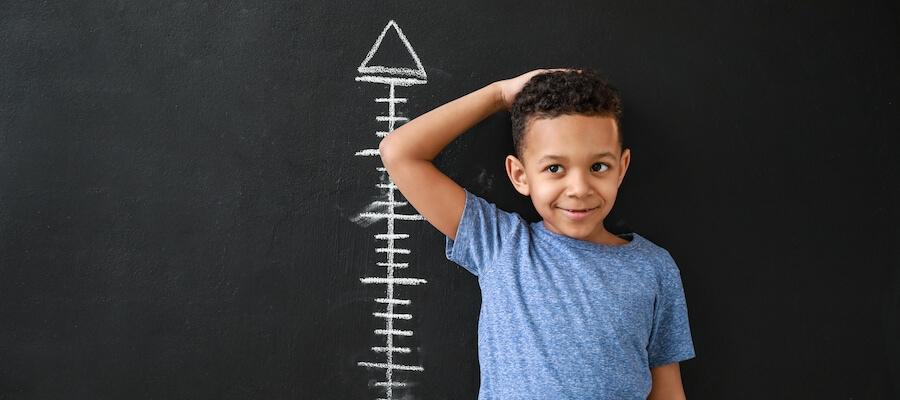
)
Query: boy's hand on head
[{"x": 509, "y": 88}]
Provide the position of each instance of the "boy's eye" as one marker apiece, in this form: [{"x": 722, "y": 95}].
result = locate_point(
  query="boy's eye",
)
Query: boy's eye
[
  {"x": 597, "y": 166},
  {"x": 554, "y": 168}
]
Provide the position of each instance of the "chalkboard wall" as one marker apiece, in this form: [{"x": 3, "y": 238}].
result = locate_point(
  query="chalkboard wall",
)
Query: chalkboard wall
[{"x": 189, "y": 201}]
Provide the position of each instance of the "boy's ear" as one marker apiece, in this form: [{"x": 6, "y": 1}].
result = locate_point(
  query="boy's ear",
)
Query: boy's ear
[
  {"x": 516, "y": 172},
  {"x": 623, "y": 165}
]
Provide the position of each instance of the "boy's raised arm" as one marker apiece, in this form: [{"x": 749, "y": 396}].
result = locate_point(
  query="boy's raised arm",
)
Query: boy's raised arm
[{"x": 408, "y": 151}]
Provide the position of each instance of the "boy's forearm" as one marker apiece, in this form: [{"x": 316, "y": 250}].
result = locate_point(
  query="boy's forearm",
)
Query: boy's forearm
[
  {"x": 424, "y": 137},
  {"x": 666, "y": 383}
]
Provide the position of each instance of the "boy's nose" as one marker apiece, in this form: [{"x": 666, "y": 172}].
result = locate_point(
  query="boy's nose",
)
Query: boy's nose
[{"x": 578, "y": 185}]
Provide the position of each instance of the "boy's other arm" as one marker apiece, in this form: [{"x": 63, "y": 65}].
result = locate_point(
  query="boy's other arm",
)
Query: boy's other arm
[
  {"x": 408, "y": 151},
  {"x": 666, "y": 383}
]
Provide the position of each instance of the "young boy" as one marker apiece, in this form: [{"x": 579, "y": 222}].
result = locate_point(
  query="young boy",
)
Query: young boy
[{"x": 569, "y": 310}]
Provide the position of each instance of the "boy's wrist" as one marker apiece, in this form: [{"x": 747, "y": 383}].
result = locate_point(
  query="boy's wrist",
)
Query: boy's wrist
[{"x": 499, "y": 103}]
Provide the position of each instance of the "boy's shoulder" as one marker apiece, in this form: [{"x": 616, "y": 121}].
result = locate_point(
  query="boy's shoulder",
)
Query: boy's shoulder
[
  {"x": 653, "y": 250},
  {"x": 658, "y": 259}
]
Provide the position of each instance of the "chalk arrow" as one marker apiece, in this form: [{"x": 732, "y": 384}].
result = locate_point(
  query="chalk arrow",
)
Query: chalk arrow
[{"x": 366, "y": 69}]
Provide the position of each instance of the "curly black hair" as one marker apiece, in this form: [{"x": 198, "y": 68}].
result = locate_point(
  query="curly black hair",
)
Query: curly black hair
[{"x": 555, "y": 93}]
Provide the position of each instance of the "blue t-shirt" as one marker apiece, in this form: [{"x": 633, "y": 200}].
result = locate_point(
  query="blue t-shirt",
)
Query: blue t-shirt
[{"x": 563, "y": 318}]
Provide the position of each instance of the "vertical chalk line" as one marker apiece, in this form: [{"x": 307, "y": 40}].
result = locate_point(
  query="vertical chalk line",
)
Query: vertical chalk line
[
  {"x": 393, "y": 77},
  {"x": 390, "y": 249}
]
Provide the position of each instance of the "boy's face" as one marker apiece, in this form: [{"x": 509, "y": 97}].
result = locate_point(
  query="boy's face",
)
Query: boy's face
[{"x": 571, "y": 167}]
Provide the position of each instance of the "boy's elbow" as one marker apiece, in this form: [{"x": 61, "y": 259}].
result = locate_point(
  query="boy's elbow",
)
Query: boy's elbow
[
  {"x": 394, "y": 152},
  {"x": 384, "y": 150}
]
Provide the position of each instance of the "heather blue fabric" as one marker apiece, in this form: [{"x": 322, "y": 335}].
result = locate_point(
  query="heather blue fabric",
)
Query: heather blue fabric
[{"x": 563, "y": 318}]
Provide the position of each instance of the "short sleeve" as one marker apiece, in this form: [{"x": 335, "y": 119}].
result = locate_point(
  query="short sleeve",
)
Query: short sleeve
[
  {"x": 670, "y": 336},
  {"x": 482, "y": 232}
]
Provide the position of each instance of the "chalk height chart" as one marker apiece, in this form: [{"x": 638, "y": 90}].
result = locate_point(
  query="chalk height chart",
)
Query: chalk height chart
[{"x": 388, "y": 358}]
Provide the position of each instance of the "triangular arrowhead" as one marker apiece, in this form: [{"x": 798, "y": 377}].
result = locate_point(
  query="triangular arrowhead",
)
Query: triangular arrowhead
[{"x": 365, "y": 68}]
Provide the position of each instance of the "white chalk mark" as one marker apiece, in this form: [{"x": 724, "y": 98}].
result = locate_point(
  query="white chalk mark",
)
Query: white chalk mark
[
  {"x": 390, "y": 118},
  {"x": 398, "y": 281},
  {"x": 390, "y": 185},
  {"x": 418, "y": 72},
  {"x": 402, "y": 384},
  {"x": 392, "y": 108},
  {"x": 390, "y": 203},
  {"x": 393, "y": 265},
  {"x": 391, "y": 80},
  {"x": 390, "y": 100},
  {"x": 390, "y": 315},
  {"x": 368, "y": 153},
  {"x": 389, "y": 216},
  {"x": 393, "y": 332},
  {"x": 390, "y": 250},
  {"x": 391, "y": 366},
  {"x": 381, "y": 133},
  {"x": 393, "y": 301},
  {"x": 385, "y": 236}
]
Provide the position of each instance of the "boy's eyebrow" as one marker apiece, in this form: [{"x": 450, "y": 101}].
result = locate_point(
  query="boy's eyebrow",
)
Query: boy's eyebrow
[{"x": 550, "y": 157}]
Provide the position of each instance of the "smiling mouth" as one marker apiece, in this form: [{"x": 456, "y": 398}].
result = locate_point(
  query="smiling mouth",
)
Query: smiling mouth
[{"x": 581, "y": 210}]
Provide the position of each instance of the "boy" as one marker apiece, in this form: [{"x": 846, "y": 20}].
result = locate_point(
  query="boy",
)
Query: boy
[{"x": 569, "y": 310}]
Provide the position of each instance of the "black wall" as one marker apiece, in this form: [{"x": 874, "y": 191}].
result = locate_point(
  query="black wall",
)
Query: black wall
[{"x": 179, "y": 194}]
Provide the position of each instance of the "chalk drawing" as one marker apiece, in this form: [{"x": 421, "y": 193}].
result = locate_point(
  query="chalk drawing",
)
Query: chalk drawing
[{"x": 389, "y": 210}]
